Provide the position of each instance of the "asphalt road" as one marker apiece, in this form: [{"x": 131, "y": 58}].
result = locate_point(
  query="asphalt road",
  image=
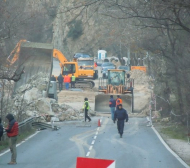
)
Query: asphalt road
[{"x": 139, "y": 147}]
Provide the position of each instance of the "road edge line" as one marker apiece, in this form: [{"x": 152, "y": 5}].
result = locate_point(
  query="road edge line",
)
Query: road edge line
[
  {"x": 169, "y": 149},
  {"x": 1, "y": 154}
]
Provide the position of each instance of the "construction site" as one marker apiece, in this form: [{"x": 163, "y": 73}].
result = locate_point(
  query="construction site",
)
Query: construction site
[
  {"x": 94, "y": 84},
  {"x": 38, "y": 96}
]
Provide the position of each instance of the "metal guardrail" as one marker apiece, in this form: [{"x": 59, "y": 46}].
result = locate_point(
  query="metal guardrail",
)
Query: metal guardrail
[
  {"x": 43, "y": 125},
  {"x": 31, "y": 121},
  {"x": 23, "y": 123}
]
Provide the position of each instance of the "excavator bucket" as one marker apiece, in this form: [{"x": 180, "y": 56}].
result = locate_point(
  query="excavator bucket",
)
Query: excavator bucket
[
  {"x": 34, "y": 58},
  {"x": 102, "y": 102}
]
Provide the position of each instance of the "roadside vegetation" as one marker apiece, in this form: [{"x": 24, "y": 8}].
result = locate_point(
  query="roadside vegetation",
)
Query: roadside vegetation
[
  {"x": 174, "y": 131},
  {"x": 21, "y": 137}
]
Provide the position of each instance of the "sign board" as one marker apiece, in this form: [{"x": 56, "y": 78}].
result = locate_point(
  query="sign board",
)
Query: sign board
[
  {"x": 94, "y": 163},
  {"x": 142, "y": 68}
]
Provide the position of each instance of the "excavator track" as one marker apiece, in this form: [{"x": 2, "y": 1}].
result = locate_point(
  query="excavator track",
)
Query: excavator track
[{"x": 84, "y": 84}]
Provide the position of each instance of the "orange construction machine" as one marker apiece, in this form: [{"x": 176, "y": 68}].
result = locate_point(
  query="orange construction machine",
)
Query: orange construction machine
[
  {"x": 35, "y": 51},
  {"x": 116, "y": 84},
  {"x": 15, "y": 53},
  {"x": 83, "y": 76}
]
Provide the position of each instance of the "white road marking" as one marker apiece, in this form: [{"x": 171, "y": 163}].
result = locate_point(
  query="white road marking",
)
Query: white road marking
[
  {"x": 90, "y": 148},
  {"x": 93, "y": 142},
  {"x": 20, "y": 143},
  {"x": 168, "y": 148},
  {"x": 87, "y": 154}
]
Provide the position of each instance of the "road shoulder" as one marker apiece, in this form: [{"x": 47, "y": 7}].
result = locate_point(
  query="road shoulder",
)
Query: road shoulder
[{"x": 180, "y": 147}]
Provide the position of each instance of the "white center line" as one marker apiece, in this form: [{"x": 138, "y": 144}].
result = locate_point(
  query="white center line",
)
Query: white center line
[
  {"x": 87, "y": 154},
  {"x": 90, "y": 148},
  {"x": 93, "y": 142}
]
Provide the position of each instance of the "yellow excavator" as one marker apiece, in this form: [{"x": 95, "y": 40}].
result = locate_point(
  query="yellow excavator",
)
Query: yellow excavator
[
  {"x": 38, "y": 57},
  {"x": 83, "y": 76},
  {"x": 117, "y": 83}
]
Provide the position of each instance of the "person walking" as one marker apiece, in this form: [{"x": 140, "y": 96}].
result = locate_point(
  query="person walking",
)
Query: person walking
[
  {"x": 73, "y": 81},
  {"x": 52, "y": 78},
  {"x": 12, "y": 132},
  {"x": 1, "y": 129},
  {"x": 86, "y": 107},
  {"x": 67, "y": 80},
  {"x": 121, "y": 116},
  {"x": 118, "y": 101},
  {"x": 60, "y": 81},
  {"x": 112, "y": 104}
]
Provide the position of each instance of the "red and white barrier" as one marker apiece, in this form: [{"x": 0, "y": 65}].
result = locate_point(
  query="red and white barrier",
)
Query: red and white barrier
[{"x": 94, "y": 163}]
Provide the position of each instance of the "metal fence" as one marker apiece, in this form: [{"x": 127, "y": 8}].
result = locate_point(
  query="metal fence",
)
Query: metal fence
[{"x": 24, "y": 126}]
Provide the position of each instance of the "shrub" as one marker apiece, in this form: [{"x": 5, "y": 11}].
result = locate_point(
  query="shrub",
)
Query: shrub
[{"x": 76, "y": 29}]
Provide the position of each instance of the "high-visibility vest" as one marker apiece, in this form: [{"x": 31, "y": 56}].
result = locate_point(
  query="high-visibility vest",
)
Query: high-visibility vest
[
  {"x": 84, "y": 106},
  {"x": 118, "y": 101},
  {"x": 73, "y": 78},
  {"x": 67, "y": 79}
]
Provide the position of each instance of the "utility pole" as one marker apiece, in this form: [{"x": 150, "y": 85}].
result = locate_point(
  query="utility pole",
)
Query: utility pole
[{"x": 128, "y": 56}]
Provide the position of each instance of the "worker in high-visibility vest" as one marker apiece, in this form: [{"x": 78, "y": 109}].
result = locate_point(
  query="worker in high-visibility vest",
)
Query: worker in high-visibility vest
[
  {"x": 67, "y": 80},
  {"x": 86, "y": 107},
  {"x": 118, "y": 101},
  {"x": 73, "y": 81}
]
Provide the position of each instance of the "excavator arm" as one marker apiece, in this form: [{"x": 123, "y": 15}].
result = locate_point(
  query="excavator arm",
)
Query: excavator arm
[
  {"x": 13, "y": 57},
  {"x": 59, "y": 55}
]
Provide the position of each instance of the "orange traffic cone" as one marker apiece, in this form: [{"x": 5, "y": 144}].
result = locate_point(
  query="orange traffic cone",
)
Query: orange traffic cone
[{"x": 99, "y": 125}]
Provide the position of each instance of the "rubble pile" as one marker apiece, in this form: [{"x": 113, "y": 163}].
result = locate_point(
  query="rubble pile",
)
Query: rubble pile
[
  {"x": 139, "y": 76},
  {"x": 30, "y": 99}
]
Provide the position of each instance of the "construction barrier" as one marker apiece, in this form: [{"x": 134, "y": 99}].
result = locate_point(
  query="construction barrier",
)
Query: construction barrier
[
  {"x": 94, "y": 163},
  {"x": 142, "y": 68}
]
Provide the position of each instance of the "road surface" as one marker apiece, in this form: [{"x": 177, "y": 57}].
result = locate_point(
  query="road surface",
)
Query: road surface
[{"x": 139, "y": 147}]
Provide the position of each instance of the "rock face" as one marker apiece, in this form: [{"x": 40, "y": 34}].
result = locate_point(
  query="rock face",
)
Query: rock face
[{"x": 30, "y": 100}]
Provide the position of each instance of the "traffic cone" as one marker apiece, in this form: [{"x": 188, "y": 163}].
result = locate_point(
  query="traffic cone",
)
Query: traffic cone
[{"x": 99, "y": 125}]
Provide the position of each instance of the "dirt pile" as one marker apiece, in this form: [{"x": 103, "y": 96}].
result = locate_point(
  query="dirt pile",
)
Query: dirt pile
[
  {"x": 142, "y": 92},
  {"x": 139, "y": 76}
]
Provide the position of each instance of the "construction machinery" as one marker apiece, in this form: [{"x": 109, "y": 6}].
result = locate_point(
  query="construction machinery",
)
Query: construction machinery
[
  {"x": 15, "y": 53},
  {"x": 117, "y": 83},
  {"x": 38, "y": 57},
  {"x": 86, "y": 63},
  {"x": 84, "y": 77},
  {"x": 34, "y": 58}
]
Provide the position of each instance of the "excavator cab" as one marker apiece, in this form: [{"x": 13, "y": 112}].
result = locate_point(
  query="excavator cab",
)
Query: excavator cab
[
  {"x": 69, "y": 69},
  {"x": 117, "y": 83}
]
